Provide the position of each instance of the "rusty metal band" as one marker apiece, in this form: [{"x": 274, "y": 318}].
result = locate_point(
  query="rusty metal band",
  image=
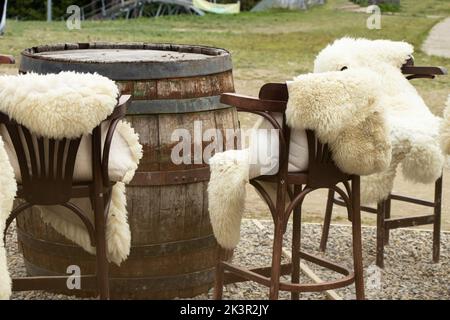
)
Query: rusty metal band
[
  {"x": 142, "y": 107},
  {"x": 164, "y": 178},
  {"x": 137, "y": 252},
  {"x": 217, "y": 61}
]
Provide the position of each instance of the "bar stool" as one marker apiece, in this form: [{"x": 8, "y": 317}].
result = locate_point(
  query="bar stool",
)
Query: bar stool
[
  {"x": 46, "y": 170},
  {"x": 292, "y": 188},
  {"x": 385, "y": 222}
]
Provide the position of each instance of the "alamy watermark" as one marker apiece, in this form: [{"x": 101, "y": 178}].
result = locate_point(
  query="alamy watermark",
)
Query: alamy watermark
[
  {"x": 73, "y": 21},
  {"x": 373, "y": 22},
  {"x": 373, "y": 281},
  {"x": 199, "y": 145},
  {"x": 74, "y": 280}
]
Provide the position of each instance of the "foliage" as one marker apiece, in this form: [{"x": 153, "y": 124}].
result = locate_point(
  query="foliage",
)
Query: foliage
[
  {"x": 385, "y": 5},
  {"x": 246, "y": 5},
  {"x": 37, "y": 9}
]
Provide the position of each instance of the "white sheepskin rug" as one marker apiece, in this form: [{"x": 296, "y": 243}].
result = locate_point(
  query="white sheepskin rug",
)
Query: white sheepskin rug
[
  {"x": 414, "y": 130},
  {"x": 70, "y": 105},
  {"x": 8, "y": 190},
  {"x": 359, "y": 102}
]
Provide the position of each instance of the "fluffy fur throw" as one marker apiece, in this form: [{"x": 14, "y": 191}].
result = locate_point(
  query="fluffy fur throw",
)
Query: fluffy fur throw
[
  {"x": 69, "y": 105},
  {"x": 414, "y": 130},
  {"x": 343, "y": 109},
  {"x": 359, "y": 102}
]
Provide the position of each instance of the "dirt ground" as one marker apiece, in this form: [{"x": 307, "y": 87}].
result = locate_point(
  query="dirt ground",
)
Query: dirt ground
[{"x": 314, "y": 205}]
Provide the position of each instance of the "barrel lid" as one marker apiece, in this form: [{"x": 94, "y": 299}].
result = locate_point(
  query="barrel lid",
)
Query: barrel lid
[{"x": 129, "y": 61}]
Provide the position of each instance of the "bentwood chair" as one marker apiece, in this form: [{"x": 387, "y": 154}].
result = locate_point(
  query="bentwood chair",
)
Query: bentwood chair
[
  {"x": 293, "y": 187},
  {"x": 385, "y": 222},
  {"x": 47, "y": 179}
]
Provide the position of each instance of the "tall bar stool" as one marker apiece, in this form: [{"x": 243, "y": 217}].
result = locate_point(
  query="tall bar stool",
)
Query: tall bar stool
[
  {"x": 47, "y": 180},
  {"x": 385, "y": 222},
  {"x": 294, "y": 187},
  {"x": 47, "y": 169}
]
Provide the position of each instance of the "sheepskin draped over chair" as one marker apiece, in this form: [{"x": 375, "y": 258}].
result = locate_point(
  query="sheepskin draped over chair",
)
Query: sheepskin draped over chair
[
  {"x": 414, "y": 130},
  {"x": 359, "y": 102},
  {"x": 342, "y": 109},
  {"x": 414, "y": 133},
  {"x": 70, "y": 105}
]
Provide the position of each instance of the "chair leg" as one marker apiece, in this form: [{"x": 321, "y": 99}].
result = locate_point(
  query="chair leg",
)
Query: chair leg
[
  {"x": 357, "y": 242},
  {"x": 218, "y": 282},
  {"x": 276, "y": 260},
  {"x": 437, "y": 219},
  {"x": 101, "y": 250},
  {"x": 387, "y": 215},
  {"x": 296, "y": 243},
  {"x": 327, "y": 221},
  {"x": 380, "y": 234}
]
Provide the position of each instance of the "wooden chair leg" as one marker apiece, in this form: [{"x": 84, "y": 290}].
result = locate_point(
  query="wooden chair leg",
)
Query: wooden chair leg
[
  {"x": 387, "y": 215},
  {"x": 219, "y": 273},
  {"x": 380, "y": 234},
  {"x": 101, "y": 250},
  {"x": 327, "y": 221},
  {"x": 357, "y": 242},
  {"x": 276, "y": 261},
  {"x": 296, "y": 243},
  {"x": 437, "y": 219}
]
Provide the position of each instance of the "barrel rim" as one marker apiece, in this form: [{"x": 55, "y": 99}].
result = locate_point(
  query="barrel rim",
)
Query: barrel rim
[{"x": 218, "y": 60}]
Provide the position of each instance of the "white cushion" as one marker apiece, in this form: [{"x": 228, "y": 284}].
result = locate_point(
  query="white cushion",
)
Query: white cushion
[{"x": 263, "y": 145}]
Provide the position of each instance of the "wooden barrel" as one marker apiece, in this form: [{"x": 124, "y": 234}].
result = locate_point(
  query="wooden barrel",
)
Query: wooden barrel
[{"x": 174, "y": 87}]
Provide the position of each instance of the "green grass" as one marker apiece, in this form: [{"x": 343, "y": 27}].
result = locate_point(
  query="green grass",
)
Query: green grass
[{"x": 269, "y": 46}]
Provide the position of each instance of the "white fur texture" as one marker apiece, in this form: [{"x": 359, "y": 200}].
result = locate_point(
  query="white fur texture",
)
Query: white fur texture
[
  {"x": 371, "y": 115},
  {"x": 8, "y": 190},
  {"x": 414, "y": 130},
  {"x": 445, "y": 129},
  {"x": 64, "y": 105},
  {"x": 226, "y": 195},
  {"x": 342, "y": 108},
  {"x": 68, "y": 105}
]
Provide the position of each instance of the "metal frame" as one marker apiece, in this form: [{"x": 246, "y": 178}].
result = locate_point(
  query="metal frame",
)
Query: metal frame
[
  {"x": 294, "y": 187},
  {"x": 385, "y": 222}
]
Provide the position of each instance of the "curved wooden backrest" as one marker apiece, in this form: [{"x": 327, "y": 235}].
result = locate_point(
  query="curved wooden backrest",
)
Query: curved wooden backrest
[{"x": 47, "y": 165}]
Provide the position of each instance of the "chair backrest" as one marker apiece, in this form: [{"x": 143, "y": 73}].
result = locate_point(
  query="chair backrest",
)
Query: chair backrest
[
  {"x": 47, "y": 165},
  {"x": 321, "y": 167}
]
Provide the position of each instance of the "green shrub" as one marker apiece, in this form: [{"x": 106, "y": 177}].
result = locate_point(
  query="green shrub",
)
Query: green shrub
[
  {"x": 246, "y": 5},
  {"x": 385, "y": 5}
]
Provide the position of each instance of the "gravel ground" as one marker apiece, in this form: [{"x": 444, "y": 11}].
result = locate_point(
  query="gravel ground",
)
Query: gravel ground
[{"x": 409, "y": 272}]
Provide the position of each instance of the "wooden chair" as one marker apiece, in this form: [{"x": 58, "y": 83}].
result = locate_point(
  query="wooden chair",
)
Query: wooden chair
[
  {"x": 293, "y": 187},
  {"x": 46, "y": 168},
  {"x": 383, "y": 210}
]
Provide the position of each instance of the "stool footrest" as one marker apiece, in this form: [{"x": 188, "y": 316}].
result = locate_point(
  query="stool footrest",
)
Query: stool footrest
[
  {"x": 408, "y": 222},
  {"x": 235, "y": 274}
]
